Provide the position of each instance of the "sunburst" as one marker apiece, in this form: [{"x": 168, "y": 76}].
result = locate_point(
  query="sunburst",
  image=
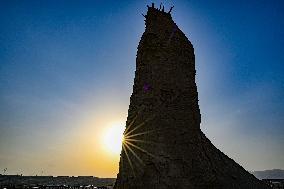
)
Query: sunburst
[{"x": 131, "y": 142}]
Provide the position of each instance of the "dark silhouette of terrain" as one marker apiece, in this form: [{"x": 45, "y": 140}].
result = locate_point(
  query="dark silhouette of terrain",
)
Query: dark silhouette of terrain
[{"x": 18, "y": 181}]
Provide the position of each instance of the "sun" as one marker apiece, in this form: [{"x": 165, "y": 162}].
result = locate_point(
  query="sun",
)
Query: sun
[{"x": 113, "y": 138}]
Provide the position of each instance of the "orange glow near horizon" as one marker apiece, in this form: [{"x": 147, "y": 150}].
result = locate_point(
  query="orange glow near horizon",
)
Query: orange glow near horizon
[{"x": 93, "y": 149}]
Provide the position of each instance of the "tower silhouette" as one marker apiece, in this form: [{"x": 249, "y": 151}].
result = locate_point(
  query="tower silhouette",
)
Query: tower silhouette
[{"x": 164, "y": 147}]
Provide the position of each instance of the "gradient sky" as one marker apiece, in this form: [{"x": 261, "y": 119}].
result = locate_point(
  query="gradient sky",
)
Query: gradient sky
[{"x": 67, "y": 70}]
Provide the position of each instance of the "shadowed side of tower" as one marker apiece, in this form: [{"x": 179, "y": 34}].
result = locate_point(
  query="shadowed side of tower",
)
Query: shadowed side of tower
[{"x": 164, "y": 147}]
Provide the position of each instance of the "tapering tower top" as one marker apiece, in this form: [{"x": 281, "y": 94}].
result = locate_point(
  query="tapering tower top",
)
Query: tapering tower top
[{"x": 160, "y": 10}]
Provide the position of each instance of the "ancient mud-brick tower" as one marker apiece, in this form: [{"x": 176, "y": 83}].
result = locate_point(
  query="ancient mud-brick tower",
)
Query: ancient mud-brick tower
[{"x": 164, "y": 147}]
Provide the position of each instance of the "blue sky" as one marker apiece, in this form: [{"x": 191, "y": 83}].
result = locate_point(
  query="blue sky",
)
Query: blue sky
[{"x": 67, "y": 68}]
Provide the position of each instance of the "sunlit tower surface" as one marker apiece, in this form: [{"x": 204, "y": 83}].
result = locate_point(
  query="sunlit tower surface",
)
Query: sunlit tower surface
[{"x": 163, "y": 145}]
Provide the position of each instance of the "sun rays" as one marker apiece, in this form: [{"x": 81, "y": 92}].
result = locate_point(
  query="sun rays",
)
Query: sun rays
[
  {"x": 129, "y": 148},
  {"x": 129, "y": 143},
  {"x": 133, "y": 142}
]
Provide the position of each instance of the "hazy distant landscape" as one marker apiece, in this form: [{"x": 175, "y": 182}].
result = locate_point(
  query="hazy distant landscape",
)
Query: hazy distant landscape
[{"x": 269, "y": 174}]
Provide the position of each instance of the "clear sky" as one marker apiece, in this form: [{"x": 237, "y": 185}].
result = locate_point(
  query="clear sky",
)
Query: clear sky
[{"x": 67, "y": 70}]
